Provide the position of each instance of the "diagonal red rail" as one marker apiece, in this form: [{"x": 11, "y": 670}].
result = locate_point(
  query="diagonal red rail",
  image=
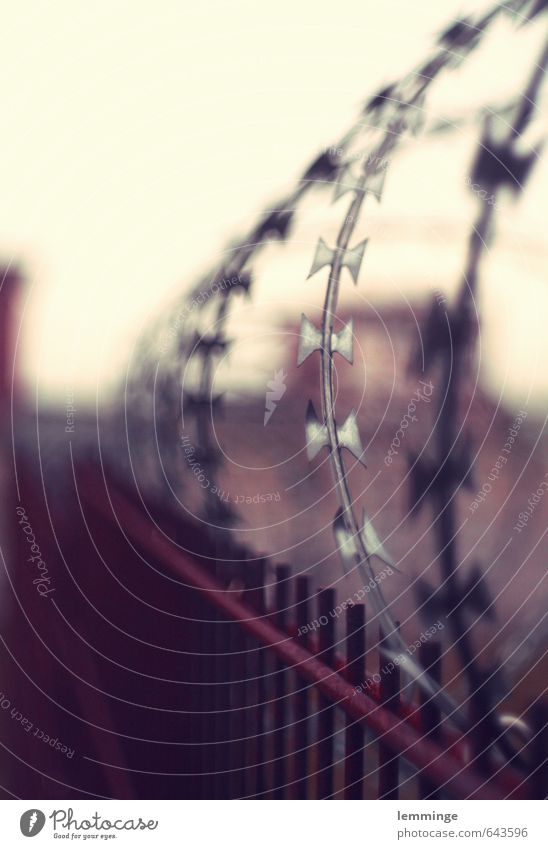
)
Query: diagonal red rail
[{"x": 441, "y": 767}]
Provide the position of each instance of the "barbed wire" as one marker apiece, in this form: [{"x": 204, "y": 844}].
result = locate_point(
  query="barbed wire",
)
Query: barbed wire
[
  {"x": 394, "y": 113},
  {"x": 448, "y": 338}
]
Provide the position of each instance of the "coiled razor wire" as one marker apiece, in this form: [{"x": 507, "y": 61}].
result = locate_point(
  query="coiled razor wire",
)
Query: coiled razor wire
[{"x": 392, "y": 114}]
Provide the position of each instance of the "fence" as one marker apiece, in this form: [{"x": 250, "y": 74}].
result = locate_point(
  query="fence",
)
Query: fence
[
  {"x": 270, "y": 699},
  {"x": 193, "y": 337},
  {"x": 260, "y": 705}
]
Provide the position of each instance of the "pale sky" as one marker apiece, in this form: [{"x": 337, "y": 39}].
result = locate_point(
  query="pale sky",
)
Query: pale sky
[{"x": 137, "y": 137}]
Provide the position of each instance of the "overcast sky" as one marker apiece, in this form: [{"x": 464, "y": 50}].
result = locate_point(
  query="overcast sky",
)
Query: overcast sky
[{"x": 138, "y": 137}]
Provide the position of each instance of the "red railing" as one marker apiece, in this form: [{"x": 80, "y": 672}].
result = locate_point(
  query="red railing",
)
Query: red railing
[{"x": 268, "y": 701}]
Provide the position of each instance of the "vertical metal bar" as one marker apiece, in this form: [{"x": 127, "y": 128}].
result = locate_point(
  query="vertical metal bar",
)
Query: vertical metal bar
[
  {"x": 230, "y": 776},
  {"x": 326, "y": 712},
  {"x": 354, "y": 733},
  {"x": 301, "y": 731},
  {"x": 194, "y": 755},
  {"x": 222, "y": 703},
  {"x": 538, "y": 753},
  {"x": 482, "y": 715},
  {"x": 280, "y": 687},
  {"x": 257, "y": 737},
  {"x": 430, "y": 714},
  {"x": 238, "y": 693},
  {"x": 390, "y": 698},
  {"x": 199, "y": 676},
  {"x": 252, "y": 667},
  {"x": 215, "y": 778}
]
